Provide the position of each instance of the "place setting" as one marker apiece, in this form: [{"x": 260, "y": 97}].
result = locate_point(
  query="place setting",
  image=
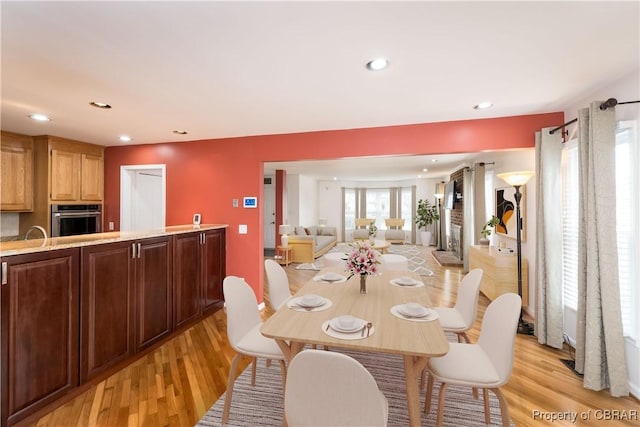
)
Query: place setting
[
  {"x": 414, "y": 312},
  {"x": 330, "y": 277},
  {"x": 348, "y": 327},
  {"x": 406, "y": 281},
  {"x": 309, "y": 302}
]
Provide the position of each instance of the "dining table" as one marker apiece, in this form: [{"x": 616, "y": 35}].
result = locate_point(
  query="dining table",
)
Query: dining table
[{"x": 415, "y": 339}]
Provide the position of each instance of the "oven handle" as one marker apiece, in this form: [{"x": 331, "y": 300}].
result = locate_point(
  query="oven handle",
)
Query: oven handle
[{"x": 70, "y": 214}]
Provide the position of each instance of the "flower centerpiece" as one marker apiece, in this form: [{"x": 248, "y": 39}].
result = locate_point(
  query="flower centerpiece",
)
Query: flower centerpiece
[{"x": 362, "y": 260}]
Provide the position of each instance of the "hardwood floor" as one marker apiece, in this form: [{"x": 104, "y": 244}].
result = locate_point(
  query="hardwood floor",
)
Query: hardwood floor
[{"x": 176, "y": 383}]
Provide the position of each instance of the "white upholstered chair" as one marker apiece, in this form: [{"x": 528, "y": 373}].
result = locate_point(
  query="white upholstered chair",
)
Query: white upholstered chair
[
  {"x": 394, "y": 262},
  {"x": 278, "y": 283},
  {"x": 461, "y": 317},
  {"x": 394, "y": 232},
  {"x": 243, "y": 331},
  {"x": 326, "y": 388},
  {"x": 362, "y": 228},
  {"x": 486, "y": 364}
]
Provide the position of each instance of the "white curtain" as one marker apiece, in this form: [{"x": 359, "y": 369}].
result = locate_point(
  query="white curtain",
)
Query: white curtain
[
  {"x": 600, "y": 352},
  {"x": 549, "y": 326}
]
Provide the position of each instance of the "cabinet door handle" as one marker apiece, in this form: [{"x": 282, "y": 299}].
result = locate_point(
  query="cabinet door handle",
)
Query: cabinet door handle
[
  {"x": 4, "y": 273},
  {"x": 133, "y": 250},
  {"x": 139, "y": 250},
  {"x": 202, "y": 238}
]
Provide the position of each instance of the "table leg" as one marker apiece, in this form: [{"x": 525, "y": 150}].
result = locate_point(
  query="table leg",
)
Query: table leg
[{"x": 412, "y": 367}]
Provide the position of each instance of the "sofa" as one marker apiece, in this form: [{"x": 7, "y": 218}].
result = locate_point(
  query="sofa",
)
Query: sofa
[{"x": 309, "y": 243}]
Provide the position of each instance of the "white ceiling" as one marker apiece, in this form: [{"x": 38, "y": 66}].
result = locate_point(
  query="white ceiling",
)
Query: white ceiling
[{"x": 225, "y": 69}]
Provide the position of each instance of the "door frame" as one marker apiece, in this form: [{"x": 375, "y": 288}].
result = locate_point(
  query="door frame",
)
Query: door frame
[{"x": 127, "y": 174}]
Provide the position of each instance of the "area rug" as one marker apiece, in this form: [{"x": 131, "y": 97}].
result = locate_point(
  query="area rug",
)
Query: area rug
[
  {"x": 262, "y": 405},
  {"x": 417, "y": 263},
  {"x": 446, "y": 258}
]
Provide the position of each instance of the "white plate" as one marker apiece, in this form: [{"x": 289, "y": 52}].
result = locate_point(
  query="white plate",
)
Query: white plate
[
  {"x": 412, "y": 309},
  {"x": 346, "y": 323},
  {"x": 331, "y": 277},
  {"x": 405, "y": 281},
  {"x": 310, "y": 301}
]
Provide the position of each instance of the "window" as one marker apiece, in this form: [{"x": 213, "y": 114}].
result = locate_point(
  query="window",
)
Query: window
[
  {"x": 626, "y": 219},
  {"x": 349, "y": 208},
  {"x": 378, "y": 205}
]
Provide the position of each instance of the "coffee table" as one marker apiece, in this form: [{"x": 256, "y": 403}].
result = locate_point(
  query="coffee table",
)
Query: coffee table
[{"x": 381, "y": 245}]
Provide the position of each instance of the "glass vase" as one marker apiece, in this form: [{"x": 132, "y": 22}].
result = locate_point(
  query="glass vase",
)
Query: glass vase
[{"x": 363, "y": 283}]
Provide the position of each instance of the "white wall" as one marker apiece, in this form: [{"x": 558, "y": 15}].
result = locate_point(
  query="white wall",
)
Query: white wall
[
  {"x": 626, "y": 88},
  {"x": 308, "y": 198},
  {"x": 292, "y": 215}
]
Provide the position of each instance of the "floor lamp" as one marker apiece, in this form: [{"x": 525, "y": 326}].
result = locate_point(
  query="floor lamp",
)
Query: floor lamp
[
  {"x": 440, "y": 195},
  {"x": 517, "y": 180}
]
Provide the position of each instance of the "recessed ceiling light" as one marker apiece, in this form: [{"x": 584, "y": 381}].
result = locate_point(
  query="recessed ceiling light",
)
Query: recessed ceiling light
[
  {"x": 434, "y": 160},
  {"x": 483, "y": 105},
  {"x": 180, "y": 132},
  {"x": 378, "y": 64},
  {"x": 40, "y": 118},
  {"x": 99, "y": 104},
  {"x": 125, "y": 138},
  {"x": 425, "y": 170}
]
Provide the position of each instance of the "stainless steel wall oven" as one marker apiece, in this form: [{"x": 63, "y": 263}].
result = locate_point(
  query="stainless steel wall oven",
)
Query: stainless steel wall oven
[{"x": 68, "y": 220}]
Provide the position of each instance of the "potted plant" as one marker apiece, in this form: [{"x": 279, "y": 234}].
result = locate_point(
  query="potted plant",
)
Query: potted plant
[
  {"x": 486, "y": 230},
  {"x": 426, "y": 214}
]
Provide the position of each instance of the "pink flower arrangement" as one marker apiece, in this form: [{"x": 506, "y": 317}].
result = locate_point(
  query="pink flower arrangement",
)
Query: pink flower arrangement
[{"x": 362, "y": 259}]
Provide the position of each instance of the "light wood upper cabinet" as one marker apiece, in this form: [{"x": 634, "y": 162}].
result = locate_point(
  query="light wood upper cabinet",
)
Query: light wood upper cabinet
[
  {"x": 16, "y": 173},
  {"x": 65, "y": 175},
  {"x": 76, "y": 171},
  {"x": 92, "y": 182}
]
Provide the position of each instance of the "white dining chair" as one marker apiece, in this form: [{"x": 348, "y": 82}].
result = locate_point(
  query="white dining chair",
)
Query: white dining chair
[
  {"x": 277, "y": 284},
  {"x": 486, "y": 364},
  {"x": 461, "y": 317},
  {"x": 394, "y": 262},
  {"x": 243, "y": 331},
  {"x": 326, "y": 388}
]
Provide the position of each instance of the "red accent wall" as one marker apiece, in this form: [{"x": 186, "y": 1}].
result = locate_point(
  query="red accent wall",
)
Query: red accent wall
[{"x": 204, "y": 176}]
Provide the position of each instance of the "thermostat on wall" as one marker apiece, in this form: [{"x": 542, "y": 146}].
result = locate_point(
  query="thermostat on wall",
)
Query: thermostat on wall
[{"x": 250, "y": 202}]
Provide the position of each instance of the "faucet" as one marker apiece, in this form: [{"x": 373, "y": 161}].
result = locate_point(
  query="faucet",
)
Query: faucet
[{"x": 36, "y": 227}]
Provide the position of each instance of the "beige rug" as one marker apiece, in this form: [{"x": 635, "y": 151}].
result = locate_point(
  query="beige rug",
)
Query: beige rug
[{"x": 262, "y": 405}]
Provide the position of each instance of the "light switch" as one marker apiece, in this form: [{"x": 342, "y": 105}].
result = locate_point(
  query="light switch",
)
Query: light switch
[
  {"x": 111, "y": 226},
  {"x": 235, "y": 203},
  {"x": 242, "y": 229}
]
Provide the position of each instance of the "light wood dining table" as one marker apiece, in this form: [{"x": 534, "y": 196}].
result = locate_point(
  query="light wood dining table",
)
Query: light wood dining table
[{"x": 415, "y": 341}]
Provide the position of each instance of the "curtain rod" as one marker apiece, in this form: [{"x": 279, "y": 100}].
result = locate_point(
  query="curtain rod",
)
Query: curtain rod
[{"x": 611, "y": 102}]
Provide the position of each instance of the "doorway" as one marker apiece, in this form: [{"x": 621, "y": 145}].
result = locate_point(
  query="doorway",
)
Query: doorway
[
  {"x": 142, "y": 197},
  {"x": 269, "y": 216}
]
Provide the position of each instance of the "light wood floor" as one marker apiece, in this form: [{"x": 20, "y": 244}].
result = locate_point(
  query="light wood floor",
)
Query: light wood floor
[{"x": 178, "y": 382}]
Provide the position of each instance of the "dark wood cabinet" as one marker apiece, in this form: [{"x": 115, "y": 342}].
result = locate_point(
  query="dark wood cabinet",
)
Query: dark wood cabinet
[
  {"x": 69, "y": 316},
  {"x": 153, "y": 281},
  {"x": 126, "y": 301},
  {"x": 213, "y": 269},
  {"x": 186, "y": 278},
  {"x": 199, "y": 269},
  {"x": 106, "y": 323},
  {"x": 39, "y": 344}
]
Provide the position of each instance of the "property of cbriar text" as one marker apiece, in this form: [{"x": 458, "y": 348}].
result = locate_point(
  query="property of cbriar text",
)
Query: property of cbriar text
[{"x": 591, "y": 414}]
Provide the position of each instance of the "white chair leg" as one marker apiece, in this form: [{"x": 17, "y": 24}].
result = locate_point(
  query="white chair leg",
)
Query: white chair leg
[{"x": 230, "y": 382}]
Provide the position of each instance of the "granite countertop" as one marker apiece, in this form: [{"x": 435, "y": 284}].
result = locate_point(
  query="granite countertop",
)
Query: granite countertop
[{"x": 19, "y": 247}]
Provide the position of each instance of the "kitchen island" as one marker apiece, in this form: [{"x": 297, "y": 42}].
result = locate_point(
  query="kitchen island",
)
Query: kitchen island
[{"x": 75, "y": 309}]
